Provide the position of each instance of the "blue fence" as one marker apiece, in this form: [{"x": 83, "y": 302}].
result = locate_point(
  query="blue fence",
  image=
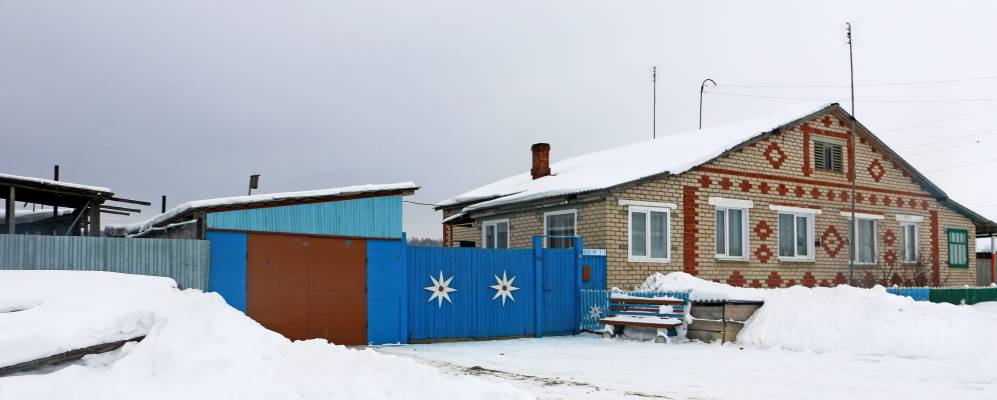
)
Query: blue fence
[
  {"x": 594, "y": 304},
  {"x": 471, "y": 293},
  {"x": 918, "y": 294},
  {"x": 952, "y": 295}
]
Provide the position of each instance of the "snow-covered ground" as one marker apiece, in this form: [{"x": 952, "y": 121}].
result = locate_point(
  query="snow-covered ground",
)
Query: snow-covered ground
[
  {"x": 195, "y": 347},
  {"x": 820, "y": 343},
  {"x": 590, "y": 367}
]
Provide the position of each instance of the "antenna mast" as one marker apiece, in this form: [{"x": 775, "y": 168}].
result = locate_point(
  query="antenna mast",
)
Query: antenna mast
[
  {"x": 654, "y": 101},
  {"x": 852, "y": 246}
]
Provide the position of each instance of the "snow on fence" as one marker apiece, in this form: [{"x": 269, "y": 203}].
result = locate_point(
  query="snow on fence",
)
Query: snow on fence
[
  {"x": 964, "y": 295},
  {"x": 595, "y": 303},
  {"x": 186, "y": 261}
]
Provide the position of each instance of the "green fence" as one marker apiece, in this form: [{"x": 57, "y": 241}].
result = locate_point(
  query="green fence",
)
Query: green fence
[{"x": 969, "y": 295}]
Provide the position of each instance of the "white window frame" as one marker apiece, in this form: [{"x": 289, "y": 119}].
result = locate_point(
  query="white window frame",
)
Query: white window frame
[
  {"x": 574, "y": 225},
  {"x": 495, "y": 222},
  {"x": 745, "y": 243},
  {"x": 647, "y": 234},
  {"x": 875, "y": 236},
  {"x": 797, "y": 212},
  {"x": 903, "y": 242}
]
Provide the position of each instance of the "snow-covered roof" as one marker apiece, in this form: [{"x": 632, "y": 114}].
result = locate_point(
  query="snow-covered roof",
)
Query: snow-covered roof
[
  {"x": 29, "y": 216},
  {"x": 256, "y": 199},
  {"x": 672, "y": 154},
  {"x": 54, "y": 184}
]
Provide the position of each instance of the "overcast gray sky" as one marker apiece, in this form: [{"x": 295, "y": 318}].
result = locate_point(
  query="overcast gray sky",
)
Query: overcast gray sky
[{"x": 187, "y": 98}]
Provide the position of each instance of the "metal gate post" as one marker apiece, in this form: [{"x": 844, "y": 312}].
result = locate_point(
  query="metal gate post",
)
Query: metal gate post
[
  {"x": 538, "y": 329},
  {"x": 578, "y": 284},
  {"x": 406, "y": 331}
]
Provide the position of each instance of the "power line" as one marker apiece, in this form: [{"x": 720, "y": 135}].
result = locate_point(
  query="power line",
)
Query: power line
[
  {"x": 885, "y": 84},
  {"x": 885, "y": 101},
  {"x": 929, "y": 122},
  {"x": 963, "y": 165},
  {"x": 984, "y": 133}
]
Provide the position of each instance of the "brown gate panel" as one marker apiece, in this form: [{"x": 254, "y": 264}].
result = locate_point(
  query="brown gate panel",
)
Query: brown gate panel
[{"x": 307, "y": 287}]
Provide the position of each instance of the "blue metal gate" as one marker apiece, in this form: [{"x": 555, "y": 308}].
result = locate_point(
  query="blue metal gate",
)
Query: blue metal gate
[
  {"x": 472, "y": 293},
  {"x": 387, "y": 316}
]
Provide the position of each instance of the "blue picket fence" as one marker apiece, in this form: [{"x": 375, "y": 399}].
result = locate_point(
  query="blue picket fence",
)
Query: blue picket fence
[
  {"x": 472, "y": 293},
  {"x": 594, "y": 304}
]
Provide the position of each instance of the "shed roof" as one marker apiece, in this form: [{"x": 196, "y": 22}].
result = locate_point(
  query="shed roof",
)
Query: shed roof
[
  {"x": 48, "y": 183},
  {"x": 186, "y": 210}
]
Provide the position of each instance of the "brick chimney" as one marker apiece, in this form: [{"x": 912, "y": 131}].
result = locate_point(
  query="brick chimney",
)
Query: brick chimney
[{"x": 541, "y": 160}]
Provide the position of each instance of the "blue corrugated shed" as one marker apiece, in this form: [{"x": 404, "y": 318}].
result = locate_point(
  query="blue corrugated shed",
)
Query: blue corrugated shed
[{"x": 371, "y": 217}]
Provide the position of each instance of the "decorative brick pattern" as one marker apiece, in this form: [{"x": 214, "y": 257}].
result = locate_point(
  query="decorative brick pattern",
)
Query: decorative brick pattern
[
  {"x": 840, "y": 279},
  {"x": 809, "y": 280},
  {"x": 745, "y": 185},
  {"x": 890, "y": 257},
  {"x": 763, "y": 253},
  {"x": 876, "y": 170},
  {"x": 736, "y": 279},
  {"x": 831, "y": 241},
  {"x": 889, "y": 238},
  {"x": 763, "y": 230},
  {"x": 774, "y": 280},
  {"x": 775, "y": 155},
  {"x": 705, "y": 181}
]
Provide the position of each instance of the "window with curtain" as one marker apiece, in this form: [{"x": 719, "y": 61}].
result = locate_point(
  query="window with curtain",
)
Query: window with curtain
[
  {"x": 559, "y": 228},
  {"x": 496, "y": 234},
  {"x": 908, "y": 242},
  {"x": 732, "y": 232},
  {"x": 796, "y": 236},
  {"x": 649, "y": 234},
  {"x": 864, "y": 244},
  {"x": 958, "y": 248}
]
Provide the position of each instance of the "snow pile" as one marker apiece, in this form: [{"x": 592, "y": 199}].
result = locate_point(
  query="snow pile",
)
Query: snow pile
[
  {"x": 700, "y": 290},
  {"x": 196, "y": 346},
  {"x": 672, "y": 154},
  {"x": 870, "y": 321},
  {"x": 851, "y": 320}
]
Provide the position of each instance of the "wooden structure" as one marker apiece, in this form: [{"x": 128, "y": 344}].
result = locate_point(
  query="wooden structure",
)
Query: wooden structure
[
  {"x": 86, "y": 202},
  {"x": 720, "y": 320}
]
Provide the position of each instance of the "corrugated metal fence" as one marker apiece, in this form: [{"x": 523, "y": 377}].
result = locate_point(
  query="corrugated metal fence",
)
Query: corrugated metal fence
[
  {"x": 186, "y": 261},
  {"x": 968, "y": 295}
]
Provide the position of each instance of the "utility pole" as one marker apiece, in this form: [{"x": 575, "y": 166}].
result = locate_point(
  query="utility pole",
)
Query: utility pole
[
  {"x": 852, "y": 246},
  {"x": 55, "y": 209},
  {"x": 654, "y": 101},
  {"x": 702, "y": 87}
]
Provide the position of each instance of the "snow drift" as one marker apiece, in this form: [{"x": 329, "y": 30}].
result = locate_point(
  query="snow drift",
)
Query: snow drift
[
  {"x": 196, "y": 346},
  {"x": 846, "y": 319}
]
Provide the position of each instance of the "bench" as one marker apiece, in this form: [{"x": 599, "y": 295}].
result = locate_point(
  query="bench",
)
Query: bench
[{"x": 665, "y": 314}]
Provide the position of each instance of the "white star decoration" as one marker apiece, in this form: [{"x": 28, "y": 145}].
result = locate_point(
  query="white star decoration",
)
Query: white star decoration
[
  {"x": 441, "y": 290},
  {"x": 595, "y": 312},
  {"x": 503, "y": 288}
]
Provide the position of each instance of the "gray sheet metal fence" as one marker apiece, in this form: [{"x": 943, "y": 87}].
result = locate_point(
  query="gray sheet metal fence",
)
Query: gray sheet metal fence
[{"x": 186, "y": 261}]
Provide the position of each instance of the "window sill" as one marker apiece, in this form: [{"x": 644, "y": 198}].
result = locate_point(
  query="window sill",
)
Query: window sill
[
  {"x": 797, "y": 260},
  {"x": 649, "y": 260},
  {"x": 732, "y": 259}
]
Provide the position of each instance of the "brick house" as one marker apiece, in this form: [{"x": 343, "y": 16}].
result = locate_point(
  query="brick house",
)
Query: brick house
[{"x": 761, "y": 203}]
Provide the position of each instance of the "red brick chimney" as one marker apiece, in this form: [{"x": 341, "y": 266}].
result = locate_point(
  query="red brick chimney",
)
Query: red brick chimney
[{"x": 541, "y": 160}]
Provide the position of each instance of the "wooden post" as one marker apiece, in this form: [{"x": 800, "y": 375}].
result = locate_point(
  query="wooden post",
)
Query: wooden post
[
  {"x": 10, "y": 221},
  {"x": 95, "y": 218}
]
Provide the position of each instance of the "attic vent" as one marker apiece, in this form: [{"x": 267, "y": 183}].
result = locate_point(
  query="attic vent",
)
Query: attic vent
[{"x": 828, "y": 156}]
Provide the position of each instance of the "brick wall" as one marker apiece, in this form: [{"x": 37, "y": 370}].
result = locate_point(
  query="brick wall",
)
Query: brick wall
[{"x": 776, "y": 170}]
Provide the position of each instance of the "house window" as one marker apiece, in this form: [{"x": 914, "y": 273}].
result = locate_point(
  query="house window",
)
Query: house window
[
  {"x": 732, "y": 232},
  {"x": 495, "y": 234},
  {"x": 650, "y": 233},
  {"x": 559, "y": 226},
  {"x": 828, "y": 156},
  {"x": 864, "y": 245},
  {"x": 908, "y": 242},
  {"x": 958, "y": 248},
  {"x": 796, "y": 233}
]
